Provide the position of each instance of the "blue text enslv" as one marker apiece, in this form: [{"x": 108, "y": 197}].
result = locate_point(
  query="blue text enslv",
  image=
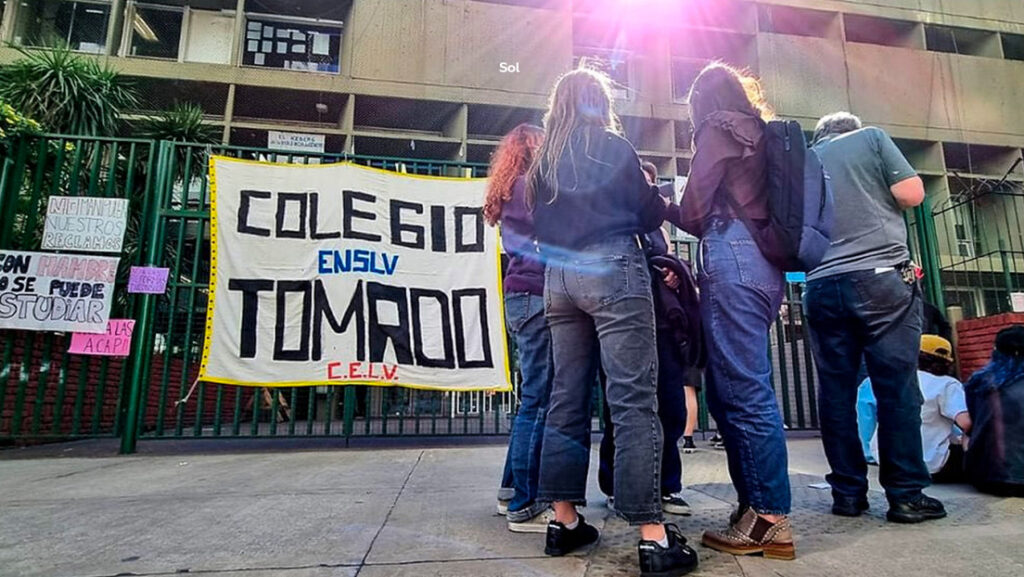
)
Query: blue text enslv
[{"x": 357, "y": 260}]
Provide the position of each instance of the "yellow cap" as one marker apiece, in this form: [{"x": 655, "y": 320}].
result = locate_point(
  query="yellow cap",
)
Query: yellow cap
[{"x": 937, "y": 346}]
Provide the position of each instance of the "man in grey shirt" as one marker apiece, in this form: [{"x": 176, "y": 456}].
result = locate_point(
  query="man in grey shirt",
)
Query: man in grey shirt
[{"x": 863, "y": 302}]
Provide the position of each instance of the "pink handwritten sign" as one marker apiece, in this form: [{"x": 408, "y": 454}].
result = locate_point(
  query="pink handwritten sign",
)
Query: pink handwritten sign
[
  {"x": 116, "y": 342},
  {"x": 148, "y": 280}
]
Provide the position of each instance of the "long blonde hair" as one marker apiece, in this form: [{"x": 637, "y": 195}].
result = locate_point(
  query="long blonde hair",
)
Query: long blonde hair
[
  {"x": 580, "y": 98},
  {"x": 511, "y": 160}
]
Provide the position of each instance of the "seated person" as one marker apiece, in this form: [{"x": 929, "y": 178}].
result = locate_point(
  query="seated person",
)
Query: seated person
[
  {"x": 944, "y": 415},
  {"x": 995, "y": 397}
]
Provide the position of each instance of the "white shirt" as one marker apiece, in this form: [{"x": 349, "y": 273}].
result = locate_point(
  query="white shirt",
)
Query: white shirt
[{"x": 943, "y": 401}]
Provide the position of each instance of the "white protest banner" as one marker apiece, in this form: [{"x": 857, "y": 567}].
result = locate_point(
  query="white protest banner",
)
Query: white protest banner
[
  {"x": 85, "y": 223},
  {"x": 341, "y": 274},
  {"x": 55, "y": 292}
]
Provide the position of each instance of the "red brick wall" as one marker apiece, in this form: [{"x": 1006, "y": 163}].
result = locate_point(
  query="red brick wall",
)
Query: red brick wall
[
  {"x": 976, "y": 338},
  {"x": 96, "y": 400}
]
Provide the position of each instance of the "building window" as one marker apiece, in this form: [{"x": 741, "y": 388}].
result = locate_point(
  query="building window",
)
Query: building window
[
  {"x": 684, "y": 72},
  {"x": 156, "y": 32},
  {"x": 82, "y": 26},
  {"x": 614, "y": 63},
  {"x": 273, "y": 43}
]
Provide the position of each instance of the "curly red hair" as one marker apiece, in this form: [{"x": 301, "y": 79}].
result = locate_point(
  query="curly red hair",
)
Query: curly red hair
[{"x": 511, "y": 160}]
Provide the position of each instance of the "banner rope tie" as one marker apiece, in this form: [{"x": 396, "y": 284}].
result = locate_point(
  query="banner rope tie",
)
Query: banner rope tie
[{"x": 191, "y": 390}]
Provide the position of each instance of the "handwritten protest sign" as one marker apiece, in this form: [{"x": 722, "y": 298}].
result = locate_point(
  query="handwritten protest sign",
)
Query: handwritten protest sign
[
  {"x": 55, "y": 292},
  {"x": 115, "y": 342},
  {"x": 85, "y": 223},
  {"x": 148, "y": 280},
  {"x": 364, "y": 276}
]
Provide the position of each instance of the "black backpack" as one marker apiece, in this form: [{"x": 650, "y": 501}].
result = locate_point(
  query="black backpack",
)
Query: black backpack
[{"x": 800, "y": 205}]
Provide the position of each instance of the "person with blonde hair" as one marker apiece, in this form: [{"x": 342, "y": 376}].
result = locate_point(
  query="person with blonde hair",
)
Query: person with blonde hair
[
  {"x": 591, "y": 203},
  {"x": 523, "y": 288},
  {"x": 741, "y": 292}
]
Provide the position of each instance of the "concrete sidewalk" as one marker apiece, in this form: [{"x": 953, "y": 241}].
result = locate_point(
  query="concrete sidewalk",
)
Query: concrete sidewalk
[{"x": 427, "y": 512}]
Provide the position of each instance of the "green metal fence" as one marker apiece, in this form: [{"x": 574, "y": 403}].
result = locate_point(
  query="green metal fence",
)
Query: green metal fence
[
  {"x": 977, "y": 236},
  {"x": 46, "y": 393}
]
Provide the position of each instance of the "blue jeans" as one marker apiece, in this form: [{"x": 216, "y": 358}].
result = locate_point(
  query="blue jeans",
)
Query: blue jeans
[
  {"x": 603, "y": 295},
  {"x": 671, "y": 413},
  {"x": 741, "y": 293},
  {"x": 524, "y": 318},
  {"x": 879, "y": 317}
]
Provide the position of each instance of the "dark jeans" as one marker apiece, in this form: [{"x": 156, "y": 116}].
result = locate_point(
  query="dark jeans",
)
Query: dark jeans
[
  {"x": 741, "y": 293},
  {"x": 671, "y": 412},
  {"x": 877, "y": 317},
  {"x": 524, "y": 318},
  {"x": 603, "y": 295}
]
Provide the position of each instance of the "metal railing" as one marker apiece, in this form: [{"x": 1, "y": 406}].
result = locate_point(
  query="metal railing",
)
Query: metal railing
[{"x": 46, "y": 393}]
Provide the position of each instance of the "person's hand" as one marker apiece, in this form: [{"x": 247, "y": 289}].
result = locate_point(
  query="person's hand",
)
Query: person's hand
[
  {"x": 666, "y": 200},
  {"x": 671, "y": 279}
]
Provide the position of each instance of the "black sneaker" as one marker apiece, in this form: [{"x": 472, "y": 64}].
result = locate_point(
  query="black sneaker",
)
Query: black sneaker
[
  {"x": 688, "y": 446},
  {"x": 562, "y": 541},
  {"x": 675, "y": 504},
  {"x": 678, "y": 559},
  {"x": 849, "y": 506},
  {"x": 916, "y": 510}
]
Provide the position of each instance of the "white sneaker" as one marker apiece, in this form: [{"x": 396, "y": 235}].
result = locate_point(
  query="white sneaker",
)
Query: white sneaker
[
  {"x": 502, "y": 507},
  {"x": 538, "y": 524}
]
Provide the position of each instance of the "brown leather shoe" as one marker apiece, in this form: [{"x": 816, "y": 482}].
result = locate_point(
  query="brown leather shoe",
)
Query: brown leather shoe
[{"x": 750, "y": 534}]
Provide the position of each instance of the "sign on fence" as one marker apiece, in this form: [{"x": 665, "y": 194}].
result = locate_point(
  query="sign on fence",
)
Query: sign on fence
[
  {"x": 85, "y": 223},
  {"x": 148, "y": 280},
  {"x": 115, "y": 342},
  {"x": 342, "y": 274},
  {"x": 55, "y": 292}
]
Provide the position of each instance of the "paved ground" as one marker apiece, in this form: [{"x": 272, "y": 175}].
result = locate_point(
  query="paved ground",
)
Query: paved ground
[{"x": 422, "y": 512}]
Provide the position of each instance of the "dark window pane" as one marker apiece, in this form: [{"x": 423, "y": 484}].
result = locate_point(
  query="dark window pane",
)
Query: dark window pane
[
  {"x": 290, "y": 45},
  {"x": 87, "y": 29},
  {"x": 613, "y": 63},
  {"x": 80, "y": 25},
  {"x": 156, "y": 33}
]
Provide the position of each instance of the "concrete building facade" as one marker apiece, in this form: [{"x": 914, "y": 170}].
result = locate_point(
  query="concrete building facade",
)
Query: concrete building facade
[{"x": 445, "y": 79}]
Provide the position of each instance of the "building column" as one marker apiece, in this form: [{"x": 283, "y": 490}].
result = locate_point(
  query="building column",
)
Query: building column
[
  {"x": 117, "y": 10},
  {"x": 7, "y": 22},
  {"x": 229, "y": 113},
  {"x": 236, "y": 44}
]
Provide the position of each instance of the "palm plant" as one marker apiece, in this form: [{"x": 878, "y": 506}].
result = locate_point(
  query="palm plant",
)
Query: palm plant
[
  {"x": 182, "y": 123},
  {"x": 67, "y": 92}
]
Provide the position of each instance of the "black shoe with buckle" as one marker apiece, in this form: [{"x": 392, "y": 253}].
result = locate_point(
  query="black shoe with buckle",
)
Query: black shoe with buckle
[
  {"x": 916, "y": 510},
  {"x": 849, "y": 506},
  {"x": 562, "y": 541},
  {"x": 675, "y": 560}
]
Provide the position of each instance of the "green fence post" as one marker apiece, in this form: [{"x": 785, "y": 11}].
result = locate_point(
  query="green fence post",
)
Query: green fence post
[
  {"x": 1007, "y": 278},
  {"x": 924, "y": 223},
  {"x": 348, "y": 411},
  {"x": 150, "y": 246}
]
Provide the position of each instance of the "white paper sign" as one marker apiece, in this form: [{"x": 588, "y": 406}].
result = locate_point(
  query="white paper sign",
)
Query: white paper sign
[
  {"x": 295, "y": 141},
  {"x": 342, "y": 274},
  {"x": 56, "y": 292},
  {"x": 85, "y": 224}
]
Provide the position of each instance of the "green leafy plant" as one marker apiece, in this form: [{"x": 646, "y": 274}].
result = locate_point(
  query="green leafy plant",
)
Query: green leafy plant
[
  {"x": 66, "y": 92},
  {"x": 182, "y": 123},
  {"x": 14, "y": 125}
]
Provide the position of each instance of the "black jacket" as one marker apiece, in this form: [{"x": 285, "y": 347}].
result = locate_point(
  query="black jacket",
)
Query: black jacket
[{"x": 678, "y": 311}]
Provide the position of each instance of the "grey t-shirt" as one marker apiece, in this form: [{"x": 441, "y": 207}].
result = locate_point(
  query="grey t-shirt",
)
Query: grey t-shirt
[{"x": 869, "y": 230}]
